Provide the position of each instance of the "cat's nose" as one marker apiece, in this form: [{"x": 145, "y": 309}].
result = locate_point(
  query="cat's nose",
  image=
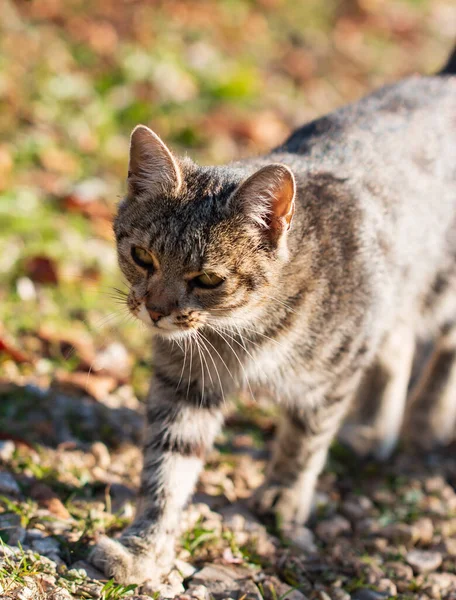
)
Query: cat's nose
[{"x": 155, "y": 315}]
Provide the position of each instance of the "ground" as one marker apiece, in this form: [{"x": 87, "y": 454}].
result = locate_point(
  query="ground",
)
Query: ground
[{"x": 217, "y": 80}]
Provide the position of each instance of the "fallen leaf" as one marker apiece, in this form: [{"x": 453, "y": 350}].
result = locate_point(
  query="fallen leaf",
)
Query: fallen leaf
[
  {"x": 72, "y": 342},
  {"x": 8, "y": 347},
  {"x": 17, "y": 440},
  {"x": 42, "y": 269},
  {"x": 96, "y": 386},
  {"x": 47, "y": 498},
  {"x": 59, "y": 161}
]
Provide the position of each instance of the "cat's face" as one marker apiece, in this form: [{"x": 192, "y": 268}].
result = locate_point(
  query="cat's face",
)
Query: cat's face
[{"x": 199, "y": 247}]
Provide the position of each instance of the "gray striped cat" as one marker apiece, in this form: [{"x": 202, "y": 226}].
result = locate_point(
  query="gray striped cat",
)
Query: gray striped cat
[{"x": 312, "y": 272}]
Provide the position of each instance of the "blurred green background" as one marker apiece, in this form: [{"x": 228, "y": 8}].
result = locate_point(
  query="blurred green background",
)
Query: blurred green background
[{"x": 216, "y": 79}]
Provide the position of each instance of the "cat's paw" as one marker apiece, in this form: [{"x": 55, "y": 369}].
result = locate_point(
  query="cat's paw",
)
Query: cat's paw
[
  {"x": 367, "y": 443},
  {"x": 289, "y": 505},
  {"x": 127, "y": 564},
  {"x": 429, "y": 431}
]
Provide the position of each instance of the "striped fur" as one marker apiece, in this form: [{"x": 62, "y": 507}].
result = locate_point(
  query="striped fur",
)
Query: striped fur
[{"x": 308, "y": 311}]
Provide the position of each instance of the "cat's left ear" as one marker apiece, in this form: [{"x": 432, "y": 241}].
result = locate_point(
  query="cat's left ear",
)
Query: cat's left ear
[
  {"x": 268, "y": 198},
  {"x": 152, "y": 168}
]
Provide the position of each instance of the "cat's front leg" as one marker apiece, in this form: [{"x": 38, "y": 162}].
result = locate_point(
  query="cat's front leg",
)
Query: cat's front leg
[
  {"x": 181, "y": 426},
  {"x": 301, "y": 447}
]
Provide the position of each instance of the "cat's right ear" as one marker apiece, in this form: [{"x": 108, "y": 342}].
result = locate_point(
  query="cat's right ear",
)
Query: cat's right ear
[
  {"x": 152, "y": 168},
  {"x": 267, "y": 198}
]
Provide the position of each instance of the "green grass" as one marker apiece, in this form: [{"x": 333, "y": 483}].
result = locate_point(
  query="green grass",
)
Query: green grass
[
  {"x": 13, "y": 573},
  {"x": 115, "y": 591}
]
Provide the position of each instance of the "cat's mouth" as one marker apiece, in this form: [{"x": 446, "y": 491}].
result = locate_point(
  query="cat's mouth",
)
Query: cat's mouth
[{"x": 172, "y": 325}]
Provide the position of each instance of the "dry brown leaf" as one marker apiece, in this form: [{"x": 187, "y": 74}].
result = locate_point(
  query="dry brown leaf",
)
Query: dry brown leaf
[
  {"x": 42, "y": 269},
  {"x": 47, "y": 498},
  {"x": 9, "y": 348},
  {"x": 96, "y": 386}
]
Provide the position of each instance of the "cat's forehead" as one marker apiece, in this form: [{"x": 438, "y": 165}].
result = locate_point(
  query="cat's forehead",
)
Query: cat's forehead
[
  {"x": 200, "y": 204},
  {"x": 191, "y": 236}
]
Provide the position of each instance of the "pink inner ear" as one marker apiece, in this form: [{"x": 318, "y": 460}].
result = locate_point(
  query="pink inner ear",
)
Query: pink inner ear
[
  {"x": 267, "y": 197},
  {"x": 283, "y": 204}
]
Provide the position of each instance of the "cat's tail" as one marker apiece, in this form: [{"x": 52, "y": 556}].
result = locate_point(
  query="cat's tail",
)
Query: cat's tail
[{"x": 450, "y": 67}]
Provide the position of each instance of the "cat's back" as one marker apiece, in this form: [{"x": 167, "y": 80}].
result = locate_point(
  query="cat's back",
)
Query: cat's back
[
  {"x": 393, "y": 152},
  {"x": 419, "y": 108},
  {"x": 385, "y": 169}
]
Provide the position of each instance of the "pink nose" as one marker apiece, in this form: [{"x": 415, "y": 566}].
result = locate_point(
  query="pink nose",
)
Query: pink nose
[{"x": 155, "y": 316}]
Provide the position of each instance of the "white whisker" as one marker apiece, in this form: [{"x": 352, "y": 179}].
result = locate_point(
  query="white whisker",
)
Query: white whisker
[
  {"x": 203, "y": 341},
  {"x": 236, "y": 356}
]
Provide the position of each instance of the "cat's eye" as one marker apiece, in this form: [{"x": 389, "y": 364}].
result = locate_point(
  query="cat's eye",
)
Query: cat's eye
[
  {"x": 142, "y": 258},
  {"x": 207, "y": 280}
]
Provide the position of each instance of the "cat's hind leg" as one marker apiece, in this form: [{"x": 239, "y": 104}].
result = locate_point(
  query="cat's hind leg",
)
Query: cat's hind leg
[
  {"x": 431, "y": 418},
  {"x": 382, "y": 397},
  {"x": 301, "y": 446}
]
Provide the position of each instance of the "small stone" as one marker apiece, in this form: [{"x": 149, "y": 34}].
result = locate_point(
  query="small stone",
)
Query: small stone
[
  {"x": 386, "y": 585},
  {"x": 443, "y": 581},
  {"x": 448, "y": 528},
  {"x": 199, "y": 592},
  {"x": 91, "y": 590},
  {"x": 185, "y": 568},
  {"x": 101, "y": 454},
  {"x": 60, "y": 594},
  {"x": 357, "y": 507},
  {"x": 166, "y": 591},
  {"x": 400, "y": 533},
  {"x": 8, "y": 485},
  {"x": 434, "y": 484},
  {"x": 384, "y": 496},
  {"x": 24, "y": 593},
  {"x": 302, "y": 538},
  {"x": 450, "y": 546},
  {"x": 47, "y": 546},
  {"x": 378, "y": 544},
  {"x": 7, "y": 448},
  {"x": 222, "y": 581},
  {"x": 367, "y": 594},
  {"x": 6, "y": 551},
  {"x": 173, "y": 585},
  {"x": 397, "y": 570},
  {"x": 273, "y": 588},
  {"x": 424, "y": 529},
  {"x": 238, "y": 517},
  {"x": 90, "y": 571},
  {"x": 34, "y": 534},
  {"x": 11, "y": 530},
  {"x": 338, "y": 594},
  {"x": 46, "y": 580},
  {"x": 423, "y": 561},
  {"x": 293, "y": 595},
  {"x": 328, "y": 529},
  {"x": 367, "y": 526},
  {"x": 57, "y": 526},
  {"x": 56, "y": 560}
]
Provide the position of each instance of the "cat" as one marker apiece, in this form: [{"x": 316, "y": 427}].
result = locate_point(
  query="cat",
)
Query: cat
[{"x": 312, "y": 271}]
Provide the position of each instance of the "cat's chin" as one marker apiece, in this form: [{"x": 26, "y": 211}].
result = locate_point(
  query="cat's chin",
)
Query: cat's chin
[{"x": 174, "y": 334}]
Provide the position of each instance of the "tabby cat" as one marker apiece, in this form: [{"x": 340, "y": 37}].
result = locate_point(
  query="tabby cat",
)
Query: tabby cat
[{"x": 312, "y": 272}]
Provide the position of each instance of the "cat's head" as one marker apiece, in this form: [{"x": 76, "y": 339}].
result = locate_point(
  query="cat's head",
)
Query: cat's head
[{"x": 200, "y": 246}]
